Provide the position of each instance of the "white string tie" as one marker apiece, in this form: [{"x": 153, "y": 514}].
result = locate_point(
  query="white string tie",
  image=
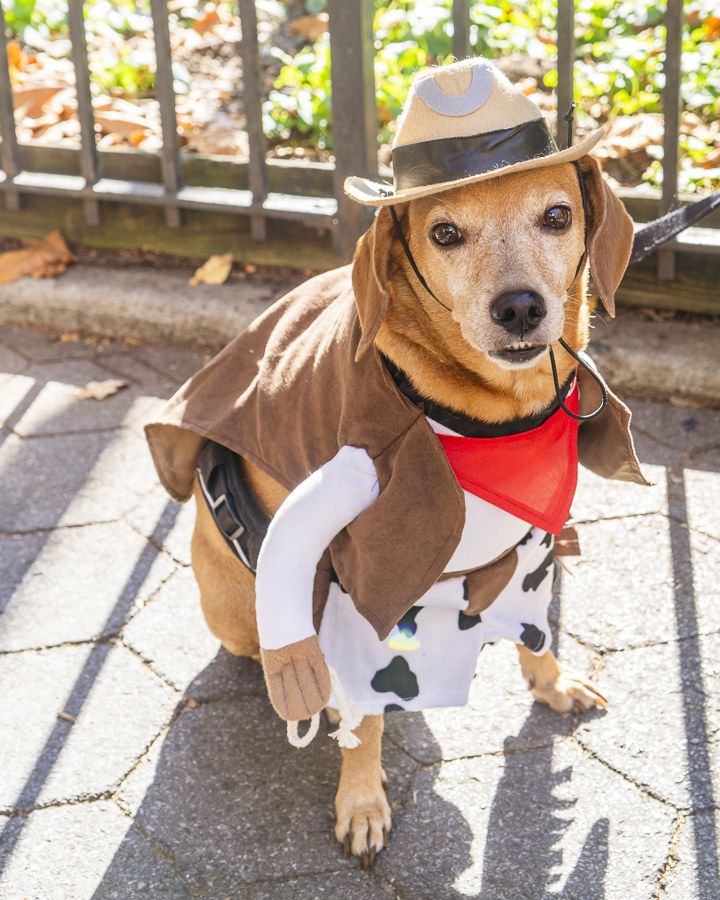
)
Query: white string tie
[{"x": 351, "y": 716}]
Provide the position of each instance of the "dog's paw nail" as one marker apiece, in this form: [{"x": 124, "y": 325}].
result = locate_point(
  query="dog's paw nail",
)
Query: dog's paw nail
[
  {"x": 373, "y": 854},
  {"x": 365, "y": 860},
  {"x": 346, "y": 845},
  {"x": 384, "y": 785},
  {"x": 386, "y": 837}
]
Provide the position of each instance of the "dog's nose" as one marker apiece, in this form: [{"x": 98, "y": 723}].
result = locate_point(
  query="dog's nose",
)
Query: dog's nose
[{"x": 518, "y": 311}]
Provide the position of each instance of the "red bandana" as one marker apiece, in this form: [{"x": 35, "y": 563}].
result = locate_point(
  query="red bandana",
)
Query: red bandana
[{"x": 532, "y": 475}]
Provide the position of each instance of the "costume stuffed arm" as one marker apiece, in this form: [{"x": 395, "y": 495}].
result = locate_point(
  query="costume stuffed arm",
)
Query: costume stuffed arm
[{"x": 314, "y": 512}]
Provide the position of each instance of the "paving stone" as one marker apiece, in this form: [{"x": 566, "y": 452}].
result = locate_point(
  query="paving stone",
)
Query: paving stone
[
  {"x": 87, "y": 852},
  {"x": 176, "y": 363},
  {"x": 143, "y": 410},
  {"x": 626, "y": 567},
  {"x": 137, "y": 871},
  {"x": 57, "y": 409},
  {"x": 10, "y": 361},
  {"x": 132, "y": 791},
  {"x": 697, "y": 598},
  {"x": 145, "y": 515},
  {"x": 600, "y": 498},
  {"x": 531, "y": 825},
  {"x": 45, "y": 346},
  {"x": 702, "y": 490},
  {"x": 16, "y": 394},
  {"x": 40, "y": 478},
  {"x": 152, "y": 382},
  {"x": 228, "y": 676},
  {"x": 35, "y": 687},
  {"x": 695, "y": 874},
  {"x": 170, "y": 631},
  {"x": 355, "y": 885},
  {"x": 232, "y": 802},
  {"x": 660, "y": 358},
  {"x": 82, "y": 585},
  {"x": 687, "y": 430},
  {"x": 708, "y": 460},
  {"x": 120, "y": 478},
  {"x": 665, "y": 707},
  {"x": 118, "y": 706},
  {"x": 17, "y": 552}
]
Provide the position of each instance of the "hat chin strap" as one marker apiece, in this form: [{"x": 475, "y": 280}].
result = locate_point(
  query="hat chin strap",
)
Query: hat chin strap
[
  {"x": 411, "y": 260},
  {"x": 556, "y": 381}
]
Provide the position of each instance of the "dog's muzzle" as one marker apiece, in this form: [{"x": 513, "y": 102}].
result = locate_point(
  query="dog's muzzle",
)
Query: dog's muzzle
[{"x": 519, "y": 313}]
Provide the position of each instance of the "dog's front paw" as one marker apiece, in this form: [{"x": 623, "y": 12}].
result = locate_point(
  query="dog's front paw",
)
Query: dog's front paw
[
  {"x": 363, "y": 819},
  {"x": 568, "y": 692}
]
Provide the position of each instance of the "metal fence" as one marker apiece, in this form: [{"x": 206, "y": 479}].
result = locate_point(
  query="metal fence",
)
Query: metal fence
[{"x": 354, "y": 127}]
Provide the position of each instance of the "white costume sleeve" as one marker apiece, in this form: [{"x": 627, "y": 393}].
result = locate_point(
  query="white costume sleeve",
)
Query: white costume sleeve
[{"x": 310, "y": 517}]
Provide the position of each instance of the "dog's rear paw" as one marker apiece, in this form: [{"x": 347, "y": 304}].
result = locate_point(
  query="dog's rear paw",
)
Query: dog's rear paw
[
  {"x": 363, "y": 821},
  {"x": 568, "y": 692}
]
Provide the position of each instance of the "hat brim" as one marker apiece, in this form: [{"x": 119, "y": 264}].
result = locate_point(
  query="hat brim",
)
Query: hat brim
[{"x": 372, "y": 193}]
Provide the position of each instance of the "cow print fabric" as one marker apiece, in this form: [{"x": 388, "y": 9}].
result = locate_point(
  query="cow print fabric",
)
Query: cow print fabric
[{"x": 430, "y": 656}]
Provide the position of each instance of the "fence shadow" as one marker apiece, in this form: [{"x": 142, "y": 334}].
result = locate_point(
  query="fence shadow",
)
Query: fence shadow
[{"x": 28, "y": 481}]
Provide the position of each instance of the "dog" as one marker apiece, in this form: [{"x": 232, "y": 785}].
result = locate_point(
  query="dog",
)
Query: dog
[{"x": 347, "y": 537}]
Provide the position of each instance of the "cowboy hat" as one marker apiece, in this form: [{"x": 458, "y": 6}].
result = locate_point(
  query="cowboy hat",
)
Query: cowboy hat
[{"x": 462, "y": 123}]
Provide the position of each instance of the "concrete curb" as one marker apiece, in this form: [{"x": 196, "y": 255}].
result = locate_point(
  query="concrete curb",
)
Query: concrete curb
[{"x": 670, "y": 360}]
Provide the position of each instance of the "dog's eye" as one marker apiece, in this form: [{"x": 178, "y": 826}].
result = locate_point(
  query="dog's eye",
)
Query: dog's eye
[
  {"x": 557, "y": 217},
  {"x": 445, "y": 234}
]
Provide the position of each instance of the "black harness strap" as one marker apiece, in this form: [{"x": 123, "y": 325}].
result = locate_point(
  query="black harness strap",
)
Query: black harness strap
[{"x": 238, "y": 517}]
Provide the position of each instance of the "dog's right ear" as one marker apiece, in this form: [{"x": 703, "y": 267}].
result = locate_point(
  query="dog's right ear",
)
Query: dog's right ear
[{"x": 370, "y": 277}]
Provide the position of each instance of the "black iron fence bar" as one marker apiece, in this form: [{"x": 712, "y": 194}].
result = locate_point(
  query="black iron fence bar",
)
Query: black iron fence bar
[
  {"x": 9, "y": 150},
  {"x": 170, "y": 157},
  {"x": 252, "y": 102},
  {"x": 671, "y": 114},
  {"x": 354, "y": 108},
  {"x": 89, "y": 161},
  {"x": 565, "y": 67},
  {"x": 461, "y": 29},
  {"x": 355, "y": 128}
]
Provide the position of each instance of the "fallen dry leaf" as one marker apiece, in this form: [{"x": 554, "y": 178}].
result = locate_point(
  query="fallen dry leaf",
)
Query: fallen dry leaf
[
  {"x": 208, "y": 21},
  {"x": 311, "y": 27},
  {"x": 99, "y": 390},
  {"x": 41, "y": 259},
  {"x": 214, "y": 271}
]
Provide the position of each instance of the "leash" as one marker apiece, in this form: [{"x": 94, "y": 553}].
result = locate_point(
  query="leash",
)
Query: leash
[{"x": 658, "y": 232}]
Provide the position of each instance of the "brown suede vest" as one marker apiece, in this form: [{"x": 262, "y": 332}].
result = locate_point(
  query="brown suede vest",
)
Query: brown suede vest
[{"x": 288, "y": 393}]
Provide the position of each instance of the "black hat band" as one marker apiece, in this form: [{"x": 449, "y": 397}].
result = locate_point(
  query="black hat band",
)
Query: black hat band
[{"x": 450, "y": 159}]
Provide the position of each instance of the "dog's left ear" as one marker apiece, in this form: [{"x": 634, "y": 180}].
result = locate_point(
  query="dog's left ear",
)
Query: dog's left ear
[
  {"x": 370, "y": 276},
  {"x": 610, "y": 234}
]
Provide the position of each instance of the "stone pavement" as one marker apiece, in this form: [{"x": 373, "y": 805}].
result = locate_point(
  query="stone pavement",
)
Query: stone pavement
[{"x": 140, "y": 760}]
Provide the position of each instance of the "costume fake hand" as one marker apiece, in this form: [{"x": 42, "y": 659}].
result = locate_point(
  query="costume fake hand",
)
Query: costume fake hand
[{"x": 297, "y": 679}]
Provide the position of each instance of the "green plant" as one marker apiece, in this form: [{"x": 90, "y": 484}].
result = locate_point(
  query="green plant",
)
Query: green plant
[
  {"x": 298, "y": 107},
  {"x": 618, "y": 71},
  {"x": 35, "y": 22}
]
